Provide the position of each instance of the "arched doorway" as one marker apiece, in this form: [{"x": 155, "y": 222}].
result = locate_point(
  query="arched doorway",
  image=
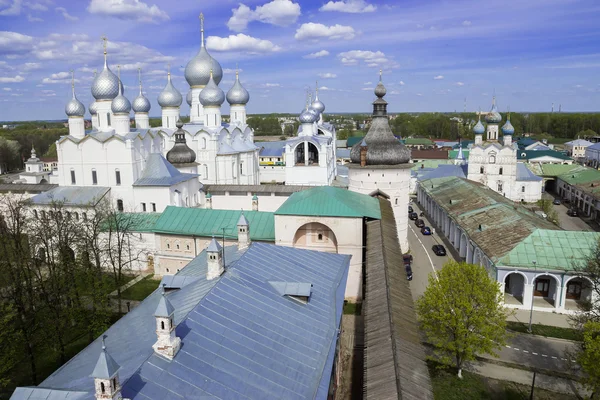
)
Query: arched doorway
[
  {"x": 514, "y": 288},
  {"x": 546, "y": 291},
  {"x": 316, "y": 236},
  {"x": 578, "y": 293}
]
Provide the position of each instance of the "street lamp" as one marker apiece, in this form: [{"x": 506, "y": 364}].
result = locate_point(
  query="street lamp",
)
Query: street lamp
[{"x": 532, "y": 297}]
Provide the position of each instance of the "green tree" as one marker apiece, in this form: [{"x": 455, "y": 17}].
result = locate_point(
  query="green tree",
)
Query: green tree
[
  {"x": 548, "y": 209},
  {"x": 461, "y": 315},
  {"x": 589, "y": 356},
  {"x": 9, "y": 343}
]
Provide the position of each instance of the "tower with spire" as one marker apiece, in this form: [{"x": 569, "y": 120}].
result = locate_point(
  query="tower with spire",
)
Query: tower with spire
[
  {"x": 121, "y": 108},
  {"x": 75, "y": 112},
  {"x": 169, "y": 101},
  {"x": 141, "y": 107},
  {"x": 106, "y": 376},
  {"x": 211, "y": 98},
  {"x": 105, "y": 88},
  {"x": 237, "y": 97},
  {"x": 493, "y": 118}
]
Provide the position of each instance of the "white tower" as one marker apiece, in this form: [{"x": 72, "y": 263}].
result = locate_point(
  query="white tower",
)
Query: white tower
[
  {"x": 121, "y": 107},
  {"x": 106, "y": 377},
  {"x": 478, "y": 130},
  {"x": 507, "y": 131},
  {"x": 214, "y": 255},
  {"x": 141, "y": 107},
  {"x": 104, "y": 89},
  {"x": 75, "y": 111},
  {"x": 243, "y": 228},
  {"x": 170, "y": 100},
  {"x": 167, "y": 344},
  {"x": 493, "y": 118},
  {"x": 237, "y": 97}
]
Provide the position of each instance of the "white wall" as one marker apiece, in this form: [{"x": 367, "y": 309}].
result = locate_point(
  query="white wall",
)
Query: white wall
[{"x": 266, "y": 202}]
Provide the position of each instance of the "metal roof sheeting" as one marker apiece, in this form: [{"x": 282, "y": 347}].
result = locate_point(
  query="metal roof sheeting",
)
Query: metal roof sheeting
[
  {"x": 328, "y": 201},
  {"x": 72, "y": 195},
  {"x": 35, "y": 393},
  {"x": 533, "y": 154},
  {"x": 264, "y": 189},
  {"x": 176, "y": 281},
  {"x": 26, "y": 187},
  {"x": 159, "y": 172},
  {"x": 524, "y": 174},
  {"x": 204, "y": 222}
]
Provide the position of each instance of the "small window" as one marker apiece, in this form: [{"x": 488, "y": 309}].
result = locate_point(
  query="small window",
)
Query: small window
[
  {"x": 143, "y": 207},
  {"x": 167, "y": 269},
  {"x": 500, "y": 172},
  {"x": 114, "y": 381},
  {"x": 481, "y": 170},
  {"x": 153, "y": 207},
  {"x": 320, "y": 237},
  {"x": 168, "y": 247},
  {"x": 162, "y": 325},
  {"x": 94, "y": 177},
  {"x": 108, "y": 119},
  {"x": 499, "y": 186},
  {"x": 522, "y": 189},
  {"x": 76, "y": 215},
  {"x": 177, "y": 246},
  {"x": 120, "y": 205},
  {"x": 492, "y": 158},
  {"x": 35, "y": 213},
  {"x": 187, "y": 246},
  {"x": 102, "y": 388},
  {"x": 73, "y": 181},
  {"x": 118, "y": 176}
]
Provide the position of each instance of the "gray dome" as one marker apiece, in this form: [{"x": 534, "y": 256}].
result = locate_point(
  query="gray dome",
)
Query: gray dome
[
  {"x": 508, "y": 129},
  {"x": 120, "y": 105},
  {"x": 106, "y": 85},
  {"x": 170, "y": 96},
  {"x": 93, "y": 108},
  {"x": 212, "y": 95},
  {"x": 238, "y": 94},
  {"x": 383, "y": 148},
  {"x": 493, "y": 117},
  {"x": 478, "y": 129},
  {"x": 141, "y": 104},
  {"x": 74, "y": 108},
  {"x": 188, "y": 98},
  {"x": 180, "y": 153},
  {"x": 308, "y": 116},
  {"x": 197, "y": 70},
  {"x": 318, "y": 106}
]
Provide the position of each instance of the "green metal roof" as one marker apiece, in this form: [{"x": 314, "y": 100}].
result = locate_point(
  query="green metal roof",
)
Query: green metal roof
[
  {"x": 352, "y": 140},
  {"x": 452, "y": 154},
  {"x": 533, "y": 154},
  {"x": 552, "y": 249},
  {"x": 328, "y": 201},
  {"x": 559, "y": 169},
  {"x": 583, "y": 176},
  {"x": 205, "y": 222},
  {"x": 143, "y": 222},
  {"x": 418, "y": 141},
  {"x": 430, "y": 164}
]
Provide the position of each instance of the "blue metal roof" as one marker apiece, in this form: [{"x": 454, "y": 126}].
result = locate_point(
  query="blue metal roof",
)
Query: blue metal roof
[
  {"x": 240, "y": 338},
  {"x": 343, "y": 153},
  {"x": 72, "y": 195},
  {"x": 34, "y": 393},
  {"x": 443, "y": 170},
  {"x": 159, "y": 172},
  {"x": 524, "y": 174}
]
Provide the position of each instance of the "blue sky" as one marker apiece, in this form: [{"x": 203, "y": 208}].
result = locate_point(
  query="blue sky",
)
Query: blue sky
[{"x": 434, "y": 53}]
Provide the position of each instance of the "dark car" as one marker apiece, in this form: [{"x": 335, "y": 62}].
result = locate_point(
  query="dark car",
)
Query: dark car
[
  {"x": 439, "y": 250},
  {"x": 556, "y": 202},
  {"x": 413, "y": 215},
  {"x": 420, "y": 223},
  {"x": 410, "y": 209},
  {"x": 407, "y": 258},
  {"x": 408, "y": 272},
  {"x": 571, "y": 212},
  {"x": 425, "y": 230}
]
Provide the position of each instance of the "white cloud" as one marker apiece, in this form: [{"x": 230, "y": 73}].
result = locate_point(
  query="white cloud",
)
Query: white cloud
[
  {"x": 466, "y": 23},
  {"x": 13, "y": 42},
  {"x": 327, "y": 75},
  {"x": 367, "y": 88},
  {"x": 7, "y": 89},
  {"x": 459, "y": 84},
  {"x": 11, "y": 9},
  {"x": 325, "y": 88},
  {"x": 31, "y": 18},
  {"x": 276, "y": 12},
  {"x": 128, "y": 9},
  {"x": 30, "y": 66},
  {"x": 368, "y": 83},
  {"x": 231, "y": 71},
  {"x": 419, "y": 94},
  {"x": 394, "y": 92},
  {"x": 318, "y": 54},
  {"x": 420, "y": 26},
  {"x": 241, "y": 42},
  {"x": 16, "y": 94},
  {"x": 65, "y": 14},
  {"x": 315, "y": 31},
  {"x": 439, "y": 77},
  {"x": 35, "y": 6},
  {"x": 401, "y": 83},
  {"x": 371, "y": 58},
  {"x": 8, "y": 79},
  {"x": 272, "y": 85},
  {"x": 61, "y": 77},
  {"x": 349, "y": 6}
]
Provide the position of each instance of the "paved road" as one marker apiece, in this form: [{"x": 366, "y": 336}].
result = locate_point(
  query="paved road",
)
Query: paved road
[{"x": 9, "y": 178}]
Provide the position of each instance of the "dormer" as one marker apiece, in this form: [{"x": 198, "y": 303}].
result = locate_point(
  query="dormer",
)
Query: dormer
[
  {"x": 106, "y": 377},
  {"x": 243, "y": 228},
  {"x": 296, "y": 291},
  {"x": 167, "y": 344},
  {"x": 214, "y": 259}
]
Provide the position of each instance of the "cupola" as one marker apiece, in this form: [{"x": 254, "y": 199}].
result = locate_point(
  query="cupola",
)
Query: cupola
[
  {"x": 106, "y": 377},
  {"x": 197, "y": 70},
  {"x": 243, "y": 227},
  {"x": 167, "y": 343},
  {"x": 180, "y": 153},
  {"x": 214, "y": 255}
]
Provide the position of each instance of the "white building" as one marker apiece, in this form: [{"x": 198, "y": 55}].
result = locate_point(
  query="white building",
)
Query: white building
[
  {"x": 576, "y": 148},
  {"x": 381, "y": 164},
  {"x": 34, "y": 171},
  {"x": 494, "y": 163}
]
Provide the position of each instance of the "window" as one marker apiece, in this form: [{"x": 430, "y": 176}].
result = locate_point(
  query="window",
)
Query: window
[
  {"x": 203, "y": 143},
  {"x": 162, "y": 325},
  {"x": 241, "y": 168},
  {"x": 144, "y": 207},
  {"x": 108, "y": 119},
  {"x": 481, "y": 170},
  {"x": 120, "y": 205},
  {"x": 177, "y": 246},
  {"x": 118, "y": 176},
  {"x": 94, "y": 177},
  {"x": 76, "y": 215},
  {"x": 500, "y": 172},
  {"x": 168, "y": 247},
  {"x": 35, "y": 213},
  {"x": 153, "y": 207},
  {"x": 187, "y": 246},
  {"x": 114, "y": 381},
  {"x": 522, "y": 189},
  {"x": 320, "y": 237},
  {"x": 492, "y": 158},
  {"x": 102, "y": 388},
  {"x": 499, "y": 186},
  {"x": 73, "y": 181}
]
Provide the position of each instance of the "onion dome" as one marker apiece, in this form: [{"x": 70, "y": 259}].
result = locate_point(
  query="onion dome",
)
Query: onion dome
[
  {"x": 212, "y": 95},
  {"x": 317, "y": 105},
  {"x": 382, "y": 147},
  {"x": 106, "y": 84},
  {"x": 74, "y": 107},
  {"x": 180, "y": 153},
  {"x": 479, "y": 129},
  {"x": 493, "y": 117},
  {"x": 197, "y": 70},
  {"x": 170, "y": 96},
  {"x": 93, "y": 108},
  {"x": 307, "y": 116},
  {"x": 120, "y": 104},
  {"x": 188, "y": 98},
  {"x": 507, "y": 128},
  {"x": 141, "y": 104},
  {"x": 238, "y": 94}
]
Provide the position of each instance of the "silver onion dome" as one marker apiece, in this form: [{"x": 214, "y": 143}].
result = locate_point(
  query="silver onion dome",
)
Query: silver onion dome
[
  {"x": 120, "y": 104},
  {"x": 188, "y": 98},
  {"x": 238, "y": 94},
  {"x": 93, "y": 108},
  {"x": 211, "y": 95},
  {"x": 197, "y": 70},
  {"x": 106, "y": 85},
  {"x": 493, "y": 117},
  {"x": 307, "y": 116},
  {"x": 170, "y": 96},
  {"x": 318, "y": 105},
  {"x": 141, "y": 104},
  {"x": 74, "y": 107}
]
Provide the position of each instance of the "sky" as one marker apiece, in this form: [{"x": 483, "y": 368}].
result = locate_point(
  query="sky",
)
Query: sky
[{"x": 436, "y": 55}]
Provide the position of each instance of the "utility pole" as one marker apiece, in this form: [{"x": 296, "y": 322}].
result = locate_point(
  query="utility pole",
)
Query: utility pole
[
  {"x": 532, "y": 297},
  {"x": 532, "y": 386}
]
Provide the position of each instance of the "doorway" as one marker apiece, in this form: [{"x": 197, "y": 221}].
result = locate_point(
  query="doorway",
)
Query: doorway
[
  {"x": 542, "y": 287},
  {"x": 574, "y": 290}
]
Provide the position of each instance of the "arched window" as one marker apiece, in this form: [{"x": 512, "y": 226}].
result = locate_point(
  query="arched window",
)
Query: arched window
[
  {"x": 84, "y": 215},
  {"x": 102, "y": 388},
  {"x": 500, "y": 186},
  {"x": 114, "y": 381},
  {"x": 500, "y": 172},
  {"x": 94, "y": 177},
  {"x": 177, "y": 245},
  {"x": 203, "y": 142},
  {"x": 481, "y": 170},
  {"x": 118, "y": 176},
  {"x": 35, "y": 213},
  {"x": 162, "y": 325},
  {"x": 73, "y": 180},
  {"x": 492, "y": 159},
  {"x": 320, "y": 236},
  {"x": 187, "y": 246},
  {"x": 522, "y": 189},
  {"x": 108, "y": 119},
  {"x": 120, "y": 205},
  {"x": 76, "y": 215}
]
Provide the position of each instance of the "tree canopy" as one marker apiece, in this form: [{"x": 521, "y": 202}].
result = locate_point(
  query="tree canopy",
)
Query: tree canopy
[{"x": 461, "y": 315}]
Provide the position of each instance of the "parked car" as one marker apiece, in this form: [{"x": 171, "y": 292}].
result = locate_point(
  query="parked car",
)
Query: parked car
[
  {"x": 420, "y": 223},
  {"x": 408, "y": 272},
  {"x": 407, "y": 258},
  {"x": 408, "y": 265},
  {"x": 425, "y": 230},
  {"x": 413, "y": 215},
  {"x": 572, "y": 212},
  {"x": 556, "y": 202},
  {"x": 439, "y": 250},
  {"x": 410, "y": 209}
]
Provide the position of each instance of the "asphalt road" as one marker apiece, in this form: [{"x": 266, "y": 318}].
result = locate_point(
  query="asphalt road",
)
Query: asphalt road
[
  {"x": 570, "y": 223},
  {"x": 521, "y": 349}
]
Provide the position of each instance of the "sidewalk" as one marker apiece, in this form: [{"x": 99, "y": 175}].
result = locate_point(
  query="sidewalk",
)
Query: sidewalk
[
  {"x": 553, "y": 383},
  {"x": 542, "y": 318}
]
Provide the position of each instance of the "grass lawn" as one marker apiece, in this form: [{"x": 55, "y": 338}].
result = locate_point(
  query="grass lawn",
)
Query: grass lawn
[
  {"x": 352, "y": 308},
  {"x": 141, "y": 290},
  {"x": 447, "y": 386},
  {"x": 544, "y": 330}
]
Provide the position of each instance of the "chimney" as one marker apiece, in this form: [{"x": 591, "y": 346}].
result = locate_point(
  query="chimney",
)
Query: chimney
[
  {"x": 167, "y": 344},
  {"x": 214, "y": 256},
  {"x": 106, "y": 377},
  {"x": 255, "y": 202},
  {"x": 208, "y": 203},
  {"x": 243, "y": 228},
  {"x": 363, "y": 153}
]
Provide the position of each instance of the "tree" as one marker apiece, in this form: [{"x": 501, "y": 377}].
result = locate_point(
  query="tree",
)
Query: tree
[
  {"x": 548, "y": 209},
  {"x": 9, "y": 343},
  {"x": 461, "y": 314},
  {"x": 589, "y": 356}
]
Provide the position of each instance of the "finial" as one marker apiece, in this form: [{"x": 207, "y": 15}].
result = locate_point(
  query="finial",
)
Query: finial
[
  {"x": 104, "y": 44},
  {"x": 95, "y": 73},
  {"x": 317, "y": 90},
  {"x": 103, "y": 342},
  {"x": 119, "y": 75},
  {"x": 140, "y": 78},
  {"x": 202, "y": 29},
  {"x": 211, "y": 74},
  {"x": 508, "y": 116},
  {"x": 380, "y": 75},
  {"x": 237, "y": 71},
  {"x": 163, "y": 289},
  {"x": 479, "y": 114},
  {"x": 73, "y": 82},
  {"x": 169, "y": 69}
]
